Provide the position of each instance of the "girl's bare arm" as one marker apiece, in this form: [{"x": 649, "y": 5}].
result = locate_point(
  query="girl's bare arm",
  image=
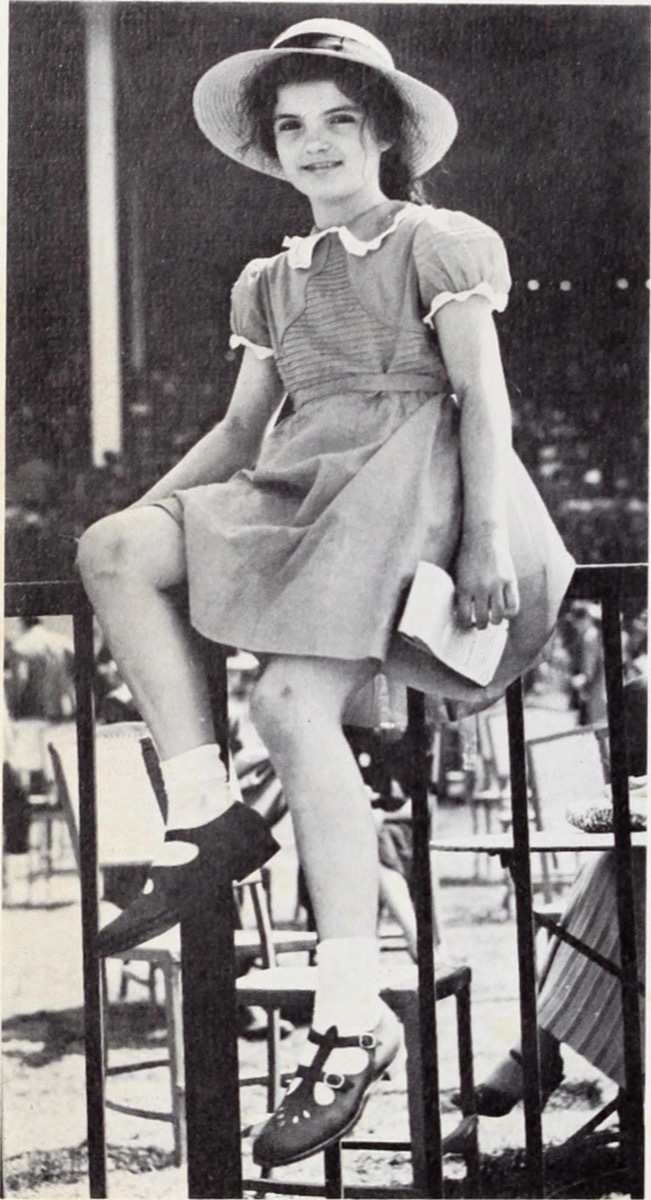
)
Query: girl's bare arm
[
  {"x": 485, "y": 577},
  {"x": 233, "y": 443}
]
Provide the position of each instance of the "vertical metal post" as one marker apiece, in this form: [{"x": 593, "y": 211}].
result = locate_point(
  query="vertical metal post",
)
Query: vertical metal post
[
  {"x": 633, "y": 1114},
  {"x": 210, "y": 1022},
  {"x": 420, "y": 773},
  {"x": 93, "y": 1011},
  {"x": 210, "y": 1040},
  {"x": 526, "y": 943}
]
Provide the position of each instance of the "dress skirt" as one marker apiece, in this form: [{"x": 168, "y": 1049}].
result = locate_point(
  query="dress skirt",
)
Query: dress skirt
[
  {"x": 579, "y": 1002},
  {"x": 311, "y": 552}
]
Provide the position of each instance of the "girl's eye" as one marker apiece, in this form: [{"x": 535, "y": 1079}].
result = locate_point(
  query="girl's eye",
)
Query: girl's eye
[
  {"x": 288, "y": 125},
  {"x": 344, "y": 118}
]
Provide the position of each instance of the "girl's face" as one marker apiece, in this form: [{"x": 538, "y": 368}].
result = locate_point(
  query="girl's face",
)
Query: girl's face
[{"x": 327, "y": 149}]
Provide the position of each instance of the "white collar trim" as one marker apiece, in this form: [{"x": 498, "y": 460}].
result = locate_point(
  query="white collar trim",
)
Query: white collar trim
[{"x": 301, "y": 249}]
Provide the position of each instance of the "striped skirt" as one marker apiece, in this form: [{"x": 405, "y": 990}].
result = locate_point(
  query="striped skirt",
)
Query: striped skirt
[{"x": 579, "y": 1002}]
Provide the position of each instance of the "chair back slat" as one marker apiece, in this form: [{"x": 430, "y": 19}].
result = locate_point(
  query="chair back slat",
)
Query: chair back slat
[
  {"x": 71, "y": 816},
  {"x": 538, "y": 722},
  {"x": 130, "y": 822},
  {"x": 565, "y": 769}
]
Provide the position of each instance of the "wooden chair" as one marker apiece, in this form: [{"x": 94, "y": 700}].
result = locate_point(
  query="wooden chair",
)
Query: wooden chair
[
  {"x": 129, "y": 815},
  {"x": 399, "y": 988}
]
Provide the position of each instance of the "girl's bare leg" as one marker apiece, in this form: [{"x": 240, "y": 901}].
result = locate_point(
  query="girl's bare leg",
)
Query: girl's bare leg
[
  {"x": 127, "y": 562},
  {"x": 394, "y": 892},
  {"x": 297, "y": 708}
]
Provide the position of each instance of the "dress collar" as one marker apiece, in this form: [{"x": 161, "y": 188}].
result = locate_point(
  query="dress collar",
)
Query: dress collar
[{"x": 301, "y": 249}]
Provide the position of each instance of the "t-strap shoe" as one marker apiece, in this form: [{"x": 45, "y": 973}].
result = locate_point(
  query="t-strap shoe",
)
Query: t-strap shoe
[
  {"x": 302, "y": 1126},
  {"x": 230, "y": 847}
]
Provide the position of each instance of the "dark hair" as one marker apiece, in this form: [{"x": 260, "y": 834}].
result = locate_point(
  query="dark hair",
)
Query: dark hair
[{"x": 388, "y": 111}]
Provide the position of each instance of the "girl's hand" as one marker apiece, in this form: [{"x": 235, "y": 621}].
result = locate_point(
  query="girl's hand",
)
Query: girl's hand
[
  {"x": 487, "y": 588},
  {"x": 486, "y": 583}
]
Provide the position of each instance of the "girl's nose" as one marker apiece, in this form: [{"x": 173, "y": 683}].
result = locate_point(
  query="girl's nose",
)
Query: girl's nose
[{"x": 317, "y": 140}]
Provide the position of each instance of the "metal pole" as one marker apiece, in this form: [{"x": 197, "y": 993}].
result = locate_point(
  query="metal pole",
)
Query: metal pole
[
  {"x": 93, "y": 1013},
  {"x": 521, "y": 869},
  {"x": 212, "y": 1098},
  {"x": 210, "y": 1041},
  {"x": 420, "y": 774},
  {"x": 633, "y": 1120}
]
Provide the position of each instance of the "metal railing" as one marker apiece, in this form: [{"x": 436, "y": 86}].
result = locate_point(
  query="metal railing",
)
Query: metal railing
[
  {"x": 210, "y": 1026},
  {"x": 612, "y": 586}
]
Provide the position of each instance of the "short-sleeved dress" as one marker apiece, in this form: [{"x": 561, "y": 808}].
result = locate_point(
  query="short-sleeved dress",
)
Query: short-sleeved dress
[{"x": 310, "y": 552}]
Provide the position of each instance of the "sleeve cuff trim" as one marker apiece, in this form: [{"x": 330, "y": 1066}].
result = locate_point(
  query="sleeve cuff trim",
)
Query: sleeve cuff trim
[{"x": 498, "y": 300}]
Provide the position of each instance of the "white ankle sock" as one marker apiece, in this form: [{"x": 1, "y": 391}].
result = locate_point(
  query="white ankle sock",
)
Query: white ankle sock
[
  {"x": 196, "y": 787},
  {"x": 348, "y": 996},
  {"x": 348, "y": 985}
]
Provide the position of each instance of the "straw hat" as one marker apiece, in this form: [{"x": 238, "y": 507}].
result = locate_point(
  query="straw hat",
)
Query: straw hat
[{"x": 217, "y": 94}]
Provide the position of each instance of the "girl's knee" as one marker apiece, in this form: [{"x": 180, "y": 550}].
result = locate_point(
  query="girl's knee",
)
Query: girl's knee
[
  {"x": 108, "y": 549},
  {"x": 275, "y": 706}
]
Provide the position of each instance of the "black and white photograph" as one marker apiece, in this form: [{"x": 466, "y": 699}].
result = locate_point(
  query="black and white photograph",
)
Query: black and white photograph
[{"x": 325, "y": 585}]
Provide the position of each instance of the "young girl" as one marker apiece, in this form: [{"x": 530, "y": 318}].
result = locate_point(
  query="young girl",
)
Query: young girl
[{"x": 298, "y": 544}]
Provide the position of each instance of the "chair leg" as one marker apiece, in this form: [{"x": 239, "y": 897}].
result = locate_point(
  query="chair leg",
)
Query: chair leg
[
  {"x": 334, "y": 1186},
  {"x": 124, "y": 982},
  {"x": 105, "y": 1010},
  {"x": 466, "y": 1078},
  {"x": 546, "y": 878},
  {"x": 172, "y": 977},
  {"x": 151, "y": 985},
  {"x": 273, "y": 1059}
]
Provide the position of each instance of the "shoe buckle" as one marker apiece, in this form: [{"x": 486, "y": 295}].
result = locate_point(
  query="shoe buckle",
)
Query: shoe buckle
[
  {"x": 333, "y": 1080},
  {"x": 368, "y": 1041}
]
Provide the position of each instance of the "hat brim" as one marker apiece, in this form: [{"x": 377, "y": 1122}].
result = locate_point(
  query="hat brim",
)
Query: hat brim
[{"x": 216, "y": 103}]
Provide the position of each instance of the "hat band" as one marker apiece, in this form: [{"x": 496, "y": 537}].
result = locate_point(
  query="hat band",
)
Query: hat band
[{"x": 334, "y": 43}]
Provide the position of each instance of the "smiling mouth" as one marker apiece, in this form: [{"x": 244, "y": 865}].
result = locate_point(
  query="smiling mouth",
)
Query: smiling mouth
[{"x": 321, "y": 166}]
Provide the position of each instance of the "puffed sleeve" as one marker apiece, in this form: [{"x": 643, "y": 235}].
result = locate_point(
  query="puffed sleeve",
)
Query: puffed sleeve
[
  {"x": 458, "y": 256},
  {"x": 249, "y": 324}
]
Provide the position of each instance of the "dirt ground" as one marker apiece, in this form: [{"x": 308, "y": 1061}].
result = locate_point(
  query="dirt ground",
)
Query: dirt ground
[{"x": 44, "y": 1106}]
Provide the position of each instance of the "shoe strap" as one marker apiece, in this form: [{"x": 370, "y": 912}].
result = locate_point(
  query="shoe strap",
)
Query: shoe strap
[
  {"x": 366, "y": 1041},
  {"x": 333, "y": 1079},
  {"x": 327, "y": 1042}
]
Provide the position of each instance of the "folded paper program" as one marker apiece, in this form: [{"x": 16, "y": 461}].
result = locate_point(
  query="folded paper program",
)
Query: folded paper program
[{"x": 429, "y": 621}]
